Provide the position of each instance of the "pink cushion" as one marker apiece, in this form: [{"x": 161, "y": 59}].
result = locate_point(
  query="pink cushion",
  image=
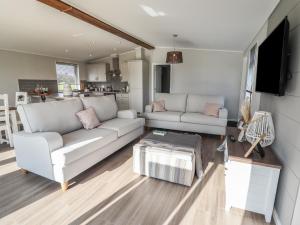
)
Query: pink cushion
[
  {"x": 158, "y": 106},
  {"x": 88, "y": 118},
  {"x": 212, "y": 109}
]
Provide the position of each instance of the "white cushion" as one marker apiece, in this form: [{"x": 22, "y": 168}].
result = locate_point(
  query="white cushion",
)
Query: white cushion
[
  {"x": 203, "y": 119},
  {"x": 105, "y": 106},
  {"x": 80, "y": 143},
  {"x": 58, "y": 116},
  {"x": 173, "y": 102},
  {"x": 127, "y": 114},
  {"x": 196, "y": 103},
  {"x": 123, "y": 126},
  {"x": 166, "y": 116}
]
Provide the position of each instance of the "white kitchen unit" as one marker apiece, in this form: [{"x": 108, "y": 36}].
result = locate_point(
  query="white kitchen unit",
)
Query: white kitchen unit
[
  {"x": 124, "y": 71},
  {"x": 97, "y": 72},
  {"x": 250, "y": 183},
  {"x": 138, "y": 79},
  {"x": 122, "y": 101}
]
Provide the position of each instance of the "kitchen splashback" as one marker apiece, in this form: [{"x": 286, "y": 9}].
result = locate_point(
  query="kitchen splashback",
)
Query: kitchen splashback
[
  {"x": 30, "y": 85},
  {"x": 116, "y": 85}
]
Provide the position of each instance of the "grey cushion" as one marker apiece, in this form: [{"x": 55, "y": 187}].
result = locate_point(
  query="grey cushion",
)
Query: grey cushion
[
  {"x": 166, "y": 116},
  {"x": 173, "y": 102},
  {"x": 202, "y": 119},
  {"x": 105, "y": 106},
  {"x": 82, "y": 142},
  {"x": 196, "y": 103},
  {"x": 58, "y": 116},
  {"x": 123, "y": 126}
]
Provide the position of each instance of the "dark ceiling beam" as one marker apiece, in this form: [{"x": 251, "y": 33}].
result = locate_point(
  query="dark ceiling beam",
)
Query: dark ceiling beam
[{"x": 66, "y": 8}]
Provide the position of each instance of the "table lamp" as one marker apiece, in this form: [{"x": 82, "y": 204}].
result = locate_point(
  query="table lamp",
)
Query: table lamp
[{"x": 260, "y": 132}]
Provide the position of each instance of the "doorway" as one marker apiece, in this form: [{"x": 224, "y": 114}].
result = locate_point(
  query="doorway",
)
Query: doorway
[{"x": 162, "y": 78}]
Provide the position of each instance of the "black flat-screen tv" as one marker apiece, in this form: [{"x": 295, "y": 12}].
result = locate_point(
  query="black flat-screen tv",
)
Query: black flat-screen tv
[{"x": 271, "y": 76}]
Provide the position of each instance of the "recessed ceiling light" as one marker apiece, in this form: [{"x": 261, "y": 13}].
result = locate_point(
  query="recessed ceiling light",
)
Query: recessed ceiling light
[
  {"x": 151, "y": 12},
  {"x": 77, "y": 35},
  {"x": 66, "y": 50},
  {"x": 90, "y": 55},
  {"x": 115, "y": 49}
]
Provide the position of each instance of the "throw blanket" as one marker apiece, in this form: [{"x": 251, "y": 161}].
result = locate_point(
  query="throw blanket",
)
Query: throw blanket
[{"x": 179, "y": 142}]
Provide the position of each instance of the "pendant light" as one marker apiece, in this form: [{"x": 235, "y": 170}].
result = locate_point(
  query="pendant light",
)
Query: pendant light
[{"x": 174, "y": 57}]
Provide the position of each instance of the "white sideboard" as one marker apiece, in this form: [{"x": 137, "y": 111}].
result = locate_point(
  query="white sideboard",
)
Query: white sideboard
[{"x": 250, "y": 183}]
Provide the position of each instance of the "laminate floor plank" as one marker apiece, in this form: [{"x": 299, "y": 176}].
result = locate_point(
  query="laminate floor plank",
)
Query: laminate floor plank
[{"x": 109, "y": 193}]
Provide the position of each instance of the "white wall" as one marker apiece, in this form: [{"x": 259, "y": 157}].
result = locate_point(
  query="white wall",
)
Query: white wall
[
  {"x": 286, "y": 111},
  {"x": 206, "y": 72},
  {"x": 14, "y": 66}
]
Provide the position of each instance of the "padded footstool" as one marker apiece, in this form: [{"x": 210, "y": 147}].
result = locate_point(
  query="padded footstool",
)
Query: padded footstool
[{"x": 164, "y": 161}]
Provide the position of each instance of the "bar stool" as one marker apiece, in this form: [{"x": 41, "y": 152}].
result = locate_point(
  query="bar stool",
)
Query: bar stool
[
  {"x": 21, "y": 99},
  {"x": 5, "y": 121}
]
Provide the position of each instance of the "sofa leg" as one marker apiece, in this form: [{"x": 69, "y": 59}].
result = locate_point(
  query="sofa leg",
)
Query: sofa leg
[
  {"x": 222, "y": 137},
  {"x": 64, "y": 186},
  {"x": 23, "y": 171}
]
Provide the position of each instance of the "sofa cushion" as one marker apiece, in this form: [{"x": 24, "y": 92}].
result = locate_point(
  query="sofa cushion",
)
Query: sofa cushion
[
  {"x": 80, "y": 143},
  {"x": 123, "y": 126},
  {"x": 88, "y": 118},
  {"x": 212, "y": 109},
  {"x": 158, "y": 106},
  {"x": 173, "y": 102},
  {"x": 166, "y": 116},
  {"x": 203, "y": 119},
  {"x": 57, "y": 116},
  {"x": 105, "y": 106},
  {"x": 196, "y": 103}
]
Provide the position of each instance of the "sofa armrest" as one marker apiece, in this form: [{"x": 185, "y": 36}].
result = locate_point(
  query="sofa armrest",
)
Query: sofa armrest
[
  {"x": 52, "y": 140},
  {"x": 223, "y": 113},
  {"x": 127, "y": 114},
  {"x": 148, "y": 108},
  {"x": 33, "y": 151}
]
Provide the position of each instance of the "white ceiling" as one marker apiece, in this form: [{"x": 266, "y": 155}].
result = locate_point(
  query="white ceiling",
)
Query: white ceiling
[{"x": 31, "y": 26}]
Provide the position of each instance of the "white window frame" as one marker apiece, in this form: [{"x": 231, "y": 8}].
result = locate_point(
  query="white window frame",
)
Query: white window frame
[
  {"x": 254, "y": 51},
  {"x": 77, "y": 79}
]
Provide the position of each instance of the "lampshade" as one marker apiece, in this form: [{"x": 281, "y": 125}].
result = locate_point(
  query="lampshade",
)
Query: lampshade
[
  {"x": 261, "y": 124},
  {"x": 174, "y": 57}
]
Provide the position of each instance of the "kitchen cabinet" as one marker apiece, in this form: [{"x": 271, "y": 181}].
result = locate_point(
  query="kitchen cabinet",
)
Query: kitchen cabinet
[
  {"x": 122, "y": 101},
  {"x": 138, "y": 79},
  {"x": 97, "y": 72},
  {"x": 124, "y": 71}
]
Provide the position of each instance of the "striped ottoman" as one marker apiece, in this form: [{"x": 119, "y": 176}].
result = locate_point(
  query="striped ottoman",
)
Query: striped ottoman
[{"x": 164, "y": 162}]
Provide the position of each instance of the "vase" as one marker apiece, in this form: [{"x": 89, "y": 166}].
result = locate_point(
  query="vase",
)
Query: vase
[{"x": 67, "y": 90}]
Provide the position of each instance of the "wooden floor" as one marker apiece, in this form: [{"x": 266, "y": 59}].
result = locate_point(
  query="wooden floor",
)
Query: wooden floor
[{"x": 111, "y": 194}]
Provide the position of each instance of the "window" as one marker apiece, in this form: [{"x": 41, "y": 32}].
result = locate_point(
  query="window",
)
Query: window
[
  {"x": 67, "y": 74},
  {"x": 250, "y": 73}
]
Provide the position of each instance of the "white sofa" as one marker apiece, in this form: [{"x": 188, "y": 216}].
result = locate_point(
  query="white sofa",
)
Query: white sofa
[
  {"x": 55, "y": 145},
  {"x": 185, "y": 113}
]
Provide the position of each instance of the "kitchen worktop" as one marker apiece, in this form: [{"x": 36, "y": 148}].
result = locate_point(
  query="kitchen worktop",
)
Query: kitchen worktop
[{"x": 60, "y": 96}]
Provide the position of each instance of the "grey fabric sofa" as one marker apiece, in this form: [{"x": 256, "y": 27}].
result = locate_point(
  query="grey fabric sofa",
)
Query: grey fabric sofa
[
  {"x": 185, "y": 113},
  {"x": 56, "y": 146}
]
